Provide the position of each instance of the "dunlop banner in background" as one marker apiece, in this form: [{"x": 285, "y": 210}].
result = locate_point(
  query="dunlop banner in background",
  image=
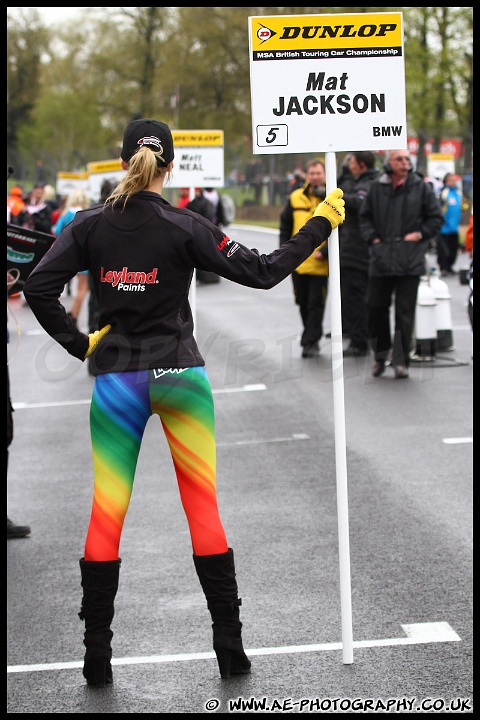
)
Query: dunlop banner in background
[
  {"x": 98, "y": 172},
  {"x": 199, "y": 160}
]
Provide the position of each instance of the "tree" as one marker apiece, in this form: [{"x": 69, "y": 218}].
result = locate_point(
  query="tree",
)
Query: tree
[
  {"x": 439, "y": 75},
  {"x": 27, "y": 42}
]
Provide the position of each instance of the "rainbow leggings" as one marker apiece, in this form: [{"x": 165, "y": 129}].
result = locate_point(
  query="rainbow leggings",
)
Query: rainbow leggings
[{"x": 122, "y": 403}]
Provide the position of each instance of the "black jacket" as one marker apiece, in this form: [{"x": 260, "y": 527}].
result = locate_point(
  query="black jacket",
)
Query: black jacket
[
  {"x": 202, "y": 206},
  {"x": 40, "y": 220},
  {"x": 389, "y": 215},
  {"x": 354, "y": 251},
  {"x": 142, "y": 260}
]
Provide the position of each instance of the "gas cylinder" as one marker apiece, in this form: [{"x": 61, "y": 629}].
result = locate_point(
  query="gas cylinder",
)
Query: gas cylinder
[
  {"x": 425, "y": 321},
  {"x": 443, "y": 312}
]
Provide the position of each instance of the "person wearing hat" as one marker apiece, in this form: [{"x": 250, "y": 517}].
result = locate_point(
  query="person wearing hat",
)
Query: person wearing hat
[
  {"x": 142, "y": 253},
  {"x": 15, "y": 202}
]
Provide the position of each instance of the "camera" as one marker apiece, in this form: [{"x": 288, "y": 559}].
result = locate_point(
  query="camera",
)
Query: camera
[{"x": 319, "y": 191}]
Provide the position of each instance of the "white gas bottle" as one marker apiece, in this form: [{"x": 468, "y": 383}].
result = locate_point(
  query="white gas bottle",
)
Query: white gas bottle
[
  {"x": 443, "y": 312},
  {"x": 425, "y": 321}
]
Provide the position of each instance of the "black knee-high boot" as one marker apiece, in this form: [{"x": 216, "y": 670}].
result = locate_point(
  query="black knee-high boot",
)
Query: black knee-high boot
[
  {"x": 217, "y": 578},
  {"x": 100, "y": 585}
]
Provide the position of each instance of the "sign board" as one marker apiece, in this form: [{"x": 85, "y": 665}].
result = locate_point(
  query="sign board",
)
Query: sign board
[
  {"x": 198, "y": 163},
  {"x": 327, "y": 82},
  {"x": 98, "y": 172},
  {"x": 67, "y": 182},
  {"x": 439, "y": 164},
  {"x": 198, "y": 159}
]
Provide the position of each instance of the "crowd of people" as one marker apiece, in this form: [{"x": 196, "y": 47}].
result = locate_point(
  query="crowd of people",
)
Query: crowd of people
[{"x": 393, "y": 218}]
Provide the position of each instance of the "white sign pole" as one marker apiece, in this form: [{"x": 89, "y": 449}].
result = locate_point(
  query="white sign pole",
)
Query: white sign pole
[
  {"x": 339, "y": 421},
  {"x": 193, "y": 286},
  {"x": 340, "y": 79}
]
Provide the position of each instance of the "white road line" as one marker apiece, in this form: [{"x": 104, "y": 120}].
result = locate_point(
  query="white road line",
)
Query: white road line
[
  {"x": 264, "y": 441},
  {"x": 457, "y": 441},
  {"x": 243, "y": 388},
  {"x": 66, "y": 403},
  {"x": 57, "y": 403},
  {"x": 255, "y": 228},
  {"x": 417, "y": 634}
]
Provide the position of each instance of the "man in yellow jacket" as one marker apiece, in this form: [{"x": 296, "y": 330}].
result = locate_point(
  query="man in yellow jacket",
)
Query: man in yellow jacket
[{"x": 310, "y": 279}]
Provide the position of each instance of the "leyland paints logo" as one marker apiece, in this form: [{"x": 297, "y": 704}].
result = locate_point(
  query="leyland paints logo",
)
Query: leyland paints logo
[
  {"x": 226, "y": 242},
  {"x": 128, "y": 280}
]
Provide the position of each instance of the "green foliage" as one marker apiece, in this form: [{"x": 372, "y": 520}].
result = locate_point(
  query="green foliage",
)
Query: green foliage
[
  {"x": 27, "y": 42},
  {"x": 68, "y": 144}
]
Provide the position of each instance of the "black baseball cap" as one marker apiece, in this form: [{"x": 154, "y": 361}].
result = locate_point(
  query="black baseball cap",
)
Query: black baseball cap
[{"x": 152, "y": 133}]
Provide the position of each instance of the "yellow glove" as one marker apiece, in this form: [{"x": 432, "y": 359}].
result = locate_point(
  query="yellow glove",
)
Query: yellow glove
[
  {"x": 332, "y": 208},
  {"x": 94, "y": 339}
]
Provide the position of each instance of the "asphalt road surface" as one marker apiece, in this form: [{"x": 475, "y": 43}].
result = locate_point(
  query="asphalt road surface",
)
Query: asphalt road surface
[{"x": 407, "y": 527}]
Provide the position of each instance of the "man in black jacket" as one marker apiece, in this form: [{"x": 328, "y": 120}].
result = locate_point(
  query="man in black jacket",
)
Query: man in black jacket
[
  {"x": 354, "y": 253},
  {"x": 201, "y": 205},
  {"x": 398, "y": 217}
]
